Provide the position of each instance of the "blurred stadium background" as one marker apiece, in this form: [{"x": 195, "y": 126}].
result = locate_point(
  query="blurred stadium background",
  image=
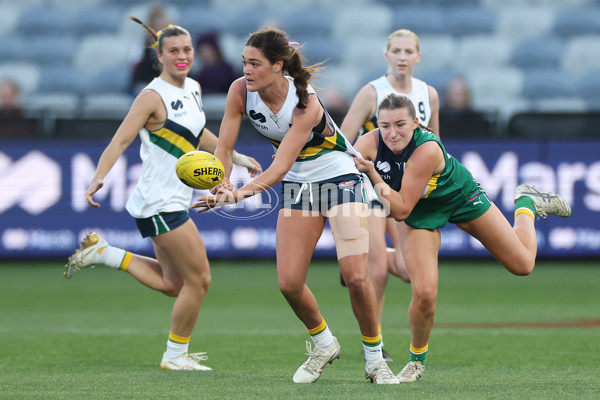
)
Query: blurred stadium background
[
  {"x": 534, "y": 71},
  {"x": 533, "y": 68}
]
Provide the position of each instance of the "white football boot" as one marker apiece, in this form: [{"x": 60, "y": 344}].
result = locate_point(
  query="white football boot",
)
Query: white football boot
[
  {"x": 85, "y": 257},
  {"x": 546, "y": 203},
  {"x": 379, "y": 372},
  {"x": 310, "y": 371},
  {"x": 185, "y": 362},
  {"x": 412, "y": 372}
]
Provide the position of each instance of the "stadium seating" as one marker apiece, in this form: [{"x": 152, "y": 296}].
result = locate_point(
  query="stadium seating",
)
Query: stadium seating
[
  {"x": 482, "y": 51},
  {"x": 365, "y": 54},
  {"x": 317, "y": 49},
  {"x": 104, "y": 50},
  {"x": 437, "y": 52},
  {"x": 46, "y": 19},
  {"x": 108, "y": 105},
  {"x": 58, "y": 105},
  {"x": 25, "y": 74},
  {"x": 355, "y": 21},
  {"x": 522, "y": 23},
  {"x": 343, "y": 78},
  {"x": 587, "y": 86},
  {"x": 113, "y": 79},
  {"x": 549, "y": 83},
  {"x": 13, "y": 47},
  {"x": 99, "y": 18},
  {"x": 51, "y": 48},
  {"x": 316, "y": 20},
  {"x": 516, "y": 54},
  {"x": 421, "y": 20},
  {"x": 464, "y": 21},
  {"x": 9, "y": 16},
  {"x": 198, "y": 19},
  {"x": 579, "y": 21},
  {"x": 502, "y": 84},
  {"x": 538, "y": 53},
  {"x": 62, "y": 79},
  {"x": 582, "y": 54}
]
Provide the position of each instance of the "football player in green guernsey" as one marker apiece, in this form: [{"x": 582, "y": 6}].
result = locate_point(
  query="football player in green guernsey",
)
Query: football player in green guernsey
[
  {"x": 402, "y": 56},
  {"x": 426, "y": 188}
]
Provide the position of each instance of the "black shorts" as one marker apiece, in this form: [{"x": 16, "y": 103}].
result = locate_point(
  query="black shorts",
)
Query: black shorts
[
  {"x": 161, "y": 223},
  {"x": 321, "y": 196}
]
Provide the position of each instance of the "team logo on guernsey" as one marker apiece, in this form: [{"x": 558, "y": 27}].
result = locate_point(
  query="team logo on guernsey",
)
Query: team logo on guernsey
[
  {"x": 257, "y": 116},
  {"x": 383, "y": 166},
  {"x": 176, "y": 105}
]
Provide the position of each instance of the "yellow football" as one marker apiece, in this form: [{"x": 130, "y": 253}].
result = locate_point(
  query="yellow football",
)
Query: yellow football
[{"x": 200, "y": 170}]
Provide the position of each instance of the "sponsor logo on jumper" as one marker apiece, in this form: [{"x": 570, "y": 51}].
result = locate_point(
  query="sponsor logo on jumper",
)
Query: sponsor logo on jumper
[
  {"x": 257, "y": 116},
  {"x": 384, "y": 166},
  {"x": 176, "y": 105}
]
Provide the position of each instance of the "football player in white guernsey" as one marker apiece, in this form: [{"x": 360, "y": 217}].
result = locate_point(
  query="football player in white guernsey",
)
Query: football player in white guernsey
[
  {"x": 402, "y": 55},
  {"x": 313, "y": 162},
  {"x": 169, "y": 119}
]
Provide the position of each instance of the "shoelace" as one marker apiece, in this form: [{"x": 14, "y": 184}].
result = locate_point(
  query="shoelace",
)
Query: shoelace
[
  {"x": 409, "y": 369},
  {"x": 311, "y": 363},
  {"x": 198, "y": 356},
  {"x": 383, "y": 371}
]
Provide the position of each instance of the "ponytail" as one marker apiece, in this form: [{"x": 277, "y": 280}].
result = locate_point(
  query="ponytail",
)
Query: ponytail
[
  {"x": 275, "y": 46},
  {"x": 171, "y": 30}
]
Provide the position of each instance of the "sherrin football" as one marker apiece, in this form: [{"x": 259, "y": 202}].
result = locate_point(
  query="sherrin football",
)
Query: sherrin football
[{"x": 199, "y": 170}]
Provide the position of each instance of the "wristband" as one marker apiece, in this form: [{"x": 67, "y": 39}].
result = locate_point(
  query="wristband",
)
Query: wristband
[{"x": 242, "y": 160}]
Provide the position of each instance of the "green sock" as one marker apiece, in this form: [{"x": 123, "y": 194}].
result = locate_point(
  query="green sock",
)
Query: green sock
[
  {"x": 422, "y": 357},
  {"x": 525, "y": 202}
]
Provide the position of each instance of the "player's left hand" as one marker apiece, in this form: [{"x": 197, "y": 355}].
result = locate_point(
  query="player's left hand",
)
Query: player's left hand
[{"x": 222, "y": 198}]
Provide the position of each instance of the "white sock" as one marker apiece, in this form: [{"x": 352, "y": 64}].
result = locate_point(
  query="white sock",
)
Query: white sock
[
  {"x": 175, "y": 349},
  {"x": 373, "y": 353},
  {"x": 111, "y": 257},
  {"x": 323, "y": 340}
]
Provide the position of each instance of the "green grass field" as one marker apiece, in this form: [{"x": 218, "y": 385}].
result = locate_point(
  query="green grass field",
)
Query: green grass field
[{"x": 101, "y": 335}]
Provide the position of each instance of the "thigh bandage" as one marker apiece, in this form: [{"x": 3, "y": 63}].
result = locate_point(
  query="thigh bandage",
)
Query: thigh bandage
[{"x": 349, "y": 224}]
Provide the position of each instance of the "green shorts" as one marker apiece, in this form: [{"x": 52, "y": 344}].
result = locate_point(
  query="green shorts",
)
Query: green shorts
[
  {"x": 161, "y": 223},
  {"x": 464, "y": 205}
]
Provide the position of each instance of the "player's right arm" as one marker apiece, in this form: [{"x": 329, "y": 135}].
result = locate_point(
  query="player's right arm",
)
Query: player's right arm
[
  {"x": 367, "y": 145},
  {"x": 143, "y": 111},
  {"x": 230, "y": 125},
  {"x": 361, "y": 110}
]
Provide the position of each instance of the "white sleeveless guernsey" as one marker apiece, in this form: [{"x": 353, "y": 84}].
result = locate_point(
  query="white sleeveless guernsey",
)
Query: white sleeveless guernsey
[
  {"x": 159, "y": 189},
  {"x": 419, "y": 96},
  {"x": 323, "y": 157}
]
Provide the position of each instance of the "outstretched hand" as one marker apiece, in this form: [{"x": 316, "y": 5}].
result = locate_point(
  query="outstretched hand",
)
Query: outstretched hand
[
  {"x": 91, "y": 191},
  {"x": 222, "y": 198},
  {"x": 225, "y": 185}
]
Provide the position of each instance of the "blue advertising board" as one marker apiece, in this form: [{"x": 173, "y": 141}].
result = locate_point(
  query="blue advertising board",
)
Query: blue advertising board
[{"x": 44, "y": 214}]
